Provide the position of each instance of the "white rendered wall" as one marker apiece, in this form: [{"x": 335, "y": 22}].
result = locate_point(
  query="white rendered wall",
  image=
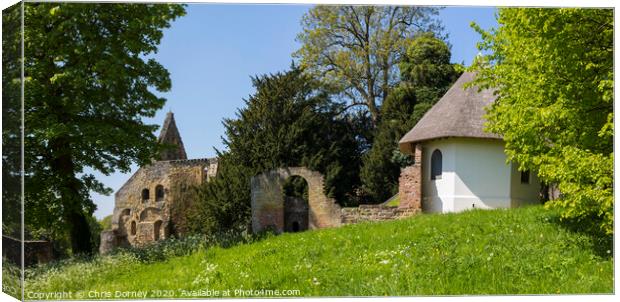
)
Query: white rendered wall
[
  {"x": 523, "y": 193},
  {"x": 438, "y": 195},
  {"x": 474, "y": 175},
  {"x": 483, "y": 177}
]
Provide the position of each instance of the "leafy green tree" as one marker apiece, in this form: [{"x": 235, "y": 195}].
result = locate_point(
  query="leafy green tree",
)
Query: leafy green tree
[
  {"x": 106, "y": 223},
  {"x": 355, "y": 50},
  {"x": 553, "y": 71},
  {"x": 289, "y": 121},
  {"x": 426, "y": 74},
  {"x": 11, "y": 121},
  {"x": 88, "y": 85}
]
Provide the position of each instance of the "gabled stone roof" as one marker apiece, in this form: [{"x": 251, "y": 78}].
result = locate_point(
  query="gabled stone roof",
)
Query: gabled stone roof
[
  {"x": 170, "y": 135},
  {"x": 459, "y": 113}
]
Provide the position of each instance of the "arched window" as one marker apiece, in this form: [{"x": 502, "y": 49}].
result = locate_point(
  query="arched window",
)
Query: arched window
[
  {"x": 145, "y": 195},
  {"x": 133, "y": 228},
  {"x": 436, "y": 165},
  {"x": 159, "y": 193}
]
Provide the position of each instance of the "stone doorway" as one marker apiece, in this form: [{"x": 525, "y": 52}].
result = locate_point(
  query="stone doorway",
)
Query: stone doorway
[{"x": 296, "y": 208}]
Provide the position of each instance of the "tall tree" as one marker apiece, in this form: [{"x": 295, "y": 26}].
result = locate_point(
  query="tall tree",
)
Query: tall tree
[
  {"x": 88, "y": 84},
  {"x": 426, "y": 74},
  {"x": 289, "y": 121},
  {"x": 356, "y": 49},
  {"x": 553, "y": 71},
  {"x": 11, "y": 121}
]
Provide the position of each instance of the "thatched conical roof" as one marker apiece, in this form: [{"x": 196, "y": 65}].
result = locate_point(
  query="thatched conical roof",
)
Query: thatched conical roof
[{"x": 459, "y": 113}]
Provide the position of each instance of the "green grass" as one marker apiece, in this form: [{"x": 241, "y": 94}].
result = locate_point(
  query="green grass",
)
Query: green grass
[
  {"x": 394, "y": 202},
  {"x": 518, "y": 251}
]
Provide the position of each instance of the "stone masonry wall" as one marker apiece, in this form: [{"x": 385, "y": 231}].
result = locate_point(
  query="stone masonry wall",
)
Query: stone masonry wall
[
  {"x": 137, "y": 221},
  {"x": 35, "y": 251},
  {"x": 268, "y": 209},
  {"x": 376, "y": 213},
  {"x": 410, "y": 182}
]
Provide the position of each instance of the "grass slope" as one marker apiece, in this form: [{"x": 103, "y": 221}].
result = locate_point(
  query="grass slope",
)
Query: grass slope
[{"x": 518, "y": 251}]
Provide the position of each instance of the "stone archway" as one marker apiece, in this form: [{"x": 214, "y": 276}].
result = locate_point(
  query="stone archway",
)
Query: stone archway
[
  {"x": 268, "y": 200},
  {"x": 296, "y": 209}
]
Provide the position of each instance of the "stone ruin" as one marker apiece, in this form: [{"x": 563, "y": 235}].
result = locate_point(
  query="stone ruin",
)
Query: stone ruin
[
  {"x": 35, "y": 251},
  {"x": 272, "y": 210},
  {"x": 151, "y": 205}
]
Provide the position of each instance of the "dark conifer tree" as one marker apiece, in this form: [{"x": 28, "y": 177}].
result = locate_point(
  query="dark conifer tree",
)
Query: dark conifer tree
[{"x": 289, "y": 121}]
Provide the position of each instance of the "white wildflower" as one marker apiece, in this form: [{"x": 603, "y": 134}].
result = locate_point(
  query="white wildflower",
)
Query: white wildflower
[{"x": 315, "y": 281}]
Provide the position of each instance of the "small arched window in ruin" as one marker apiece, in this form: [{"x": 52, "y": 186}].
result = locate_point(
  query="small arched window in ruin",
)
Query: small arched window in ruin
[
  {"x": 159, "y": 193},
  {"x": 133, "y": 228},
  {"x": 145, "y": 195},
  {"x": 126, "y": 212},
  {"x": 436, "y": 165}
]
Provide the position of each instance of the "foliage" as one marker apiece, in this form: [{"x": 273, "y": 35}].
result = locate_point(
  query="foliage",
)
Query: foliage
[
  {"x": 355, "y": 50},
  {"x": 296, "y": 186},
  {"x": 11, "y": 121},
  {"x": 224, "y": 202},
  {"x": 69, "y": 272},
  {"x": 553, "y": 71},
  {"x": 173, "y": 247},
  {"x": 426, "y": 74},
  {"x": 394, "y": 202},
  {"x": 88, "y": 79},
  {"x": 95, "y": 230},
  {"x": 11, "y": 279},
  {"x": 517, "y": 251},
  {"x": 106, "y": 223},
  {"x": 289, "y": 122}
]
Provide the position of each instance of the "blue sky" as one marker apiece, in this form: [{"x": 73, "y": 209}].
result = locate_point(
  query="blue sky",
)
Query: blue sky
[{"x": 213, "y": 50}]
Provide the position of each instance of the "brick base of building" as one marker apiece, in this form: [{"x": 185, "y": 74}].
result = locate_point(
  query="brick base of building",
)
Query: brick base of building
[{"x": 410, "y": 182}]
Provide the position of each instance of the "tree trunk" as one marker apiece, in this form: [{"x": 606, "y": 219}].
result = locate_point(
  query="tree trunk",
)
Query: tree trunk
[
  {"x": 80, "y": 233},
  {"x": 69, "y": 189},
  {"x": 372, "y": 108}
]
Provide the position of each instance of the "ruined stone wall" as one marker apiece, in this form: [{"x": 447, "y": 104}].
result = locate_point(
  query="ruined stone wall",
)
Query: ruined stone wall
[
  {"x": 35, "y": 251},
  {"x": 410, "y": 182},
  {"x": 268, "y": 200},
  {"x": 269, "y": 211},
  {"x": 376, "y": 213},
  {"x": 185, "y": 177},
  {"x": 142, "y": 216}
]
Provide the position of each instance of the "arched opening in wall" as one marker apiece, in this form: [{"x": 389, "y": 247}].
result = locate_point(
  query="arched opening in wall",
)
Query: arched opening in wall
[
  {"x": 296, "y": 207},
  {"x": 157, "y": 229},
  {"x": 133, "y": 228},
  {"x": 145, "y": 195},
  {"x": 159, "y": 193}
]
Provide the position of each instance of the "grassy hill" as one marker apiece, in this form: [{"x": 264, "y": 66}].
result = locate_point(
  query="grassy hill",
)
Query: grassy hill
[{"x": 519, "y": 251}]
